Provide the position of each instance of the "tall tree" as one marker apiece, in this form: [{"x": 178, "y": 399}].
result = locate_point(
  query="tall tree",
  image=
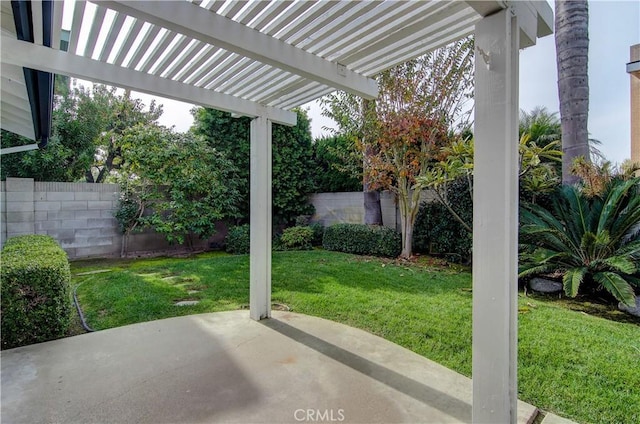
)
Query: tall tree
[
  {"x": 401, "y": 132},
  {"x": 87, "y": 129},
  {"x": 292, "y": 159},
  {"x": 110, "y": 114},
  {"x": 572, "y": 50}
]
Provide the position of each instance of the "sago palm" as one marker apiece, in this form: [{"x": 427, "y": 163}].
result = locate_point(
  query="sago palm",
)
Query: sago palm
[{"x": 592, "y": 240}]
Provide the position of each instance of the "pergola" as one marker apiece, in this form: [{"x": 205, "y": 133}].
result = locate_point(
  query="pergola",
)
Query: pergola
[{"x": 261, "y": 59}]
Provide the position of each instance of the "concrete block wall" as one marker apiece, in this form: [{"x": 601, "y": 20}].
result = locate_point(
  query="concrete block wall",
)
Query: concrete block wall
[
  {"x": 348, "y": 207},
  {"x": 79, "y": 216}
]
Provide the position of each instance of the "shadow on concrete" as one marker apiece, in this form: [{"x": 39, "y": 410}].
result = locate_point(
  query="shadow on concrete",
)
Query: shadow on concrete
[{"x": 421, "y": 392}]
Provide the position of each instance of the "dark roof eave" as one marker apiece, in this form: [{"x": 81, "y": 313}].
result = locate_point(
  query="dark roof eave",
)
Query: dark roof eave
[{"x": 39, "y": 84}]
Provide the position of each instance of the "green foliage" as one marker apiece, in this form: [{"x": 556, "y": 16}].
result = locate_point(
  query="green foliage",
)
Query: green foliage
[
  {"x": 542, "y": 126},
  {"x": 318, "y": 233},
  {"x": 438, "y": 231},
  {"x": 292, "y": 181},
  {"x": 594, "y": 241},
  {"x": 189, "y": 186},
  {"x": 50, "y": 164},
  {"x": 538, "y": 166},
  {"x": 338, "y": 165},
  {"x": 87, "y": 127},
  {"x": 362, "y": 240},
  {"x": 292, "y": 163},
  {"x": 238, "y": 240},
  {"x": 297, "y": 238},
  {"x": 231, "y": 136},
  {"x": 36, "y": 301}
]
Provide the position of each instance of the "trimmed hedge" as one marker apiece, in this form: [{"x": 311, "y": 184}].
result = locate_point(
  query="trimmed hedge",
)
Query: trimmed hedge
[
  {"x": 362, "y": 240},
  {"x": 36, "y": 294},
  {"x": 238, "y": 240}
]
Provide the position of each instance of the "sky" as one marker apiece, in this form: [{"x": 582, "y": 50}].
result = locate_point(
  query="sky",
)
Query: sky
[{"x": 614, "y": 26}]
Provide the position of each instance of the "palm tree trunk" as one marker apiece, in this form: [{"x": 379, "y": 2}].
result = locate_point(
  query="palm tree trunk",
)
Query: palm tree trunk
[{"x": 572, "y": 49}]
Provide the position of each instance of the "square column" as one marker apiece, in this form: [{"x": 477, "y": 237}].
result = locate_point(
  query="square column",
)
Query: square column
[
  {"x": 495, "y": 220},
  {"x": 260, "y": 219}
]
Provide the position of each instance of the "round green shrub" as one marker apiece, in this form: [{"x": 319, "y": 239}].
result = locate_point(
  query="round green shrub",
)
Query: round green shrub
[
  {"x": 238, "y": 240},
  {"x": 362, "y": 239},
  {"x": 36, "y": 299},
  {"x": 297, "y": 238}
]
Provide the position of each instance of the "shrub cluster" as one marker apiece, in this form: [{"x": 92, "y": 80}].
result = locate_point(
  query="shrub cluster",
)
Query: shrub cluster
[
  {"x": 362, "y": 240},
  {"x": 297, "y": 238},
  {"x": 238, "y": 240},
  {"x": 36, "y": 300},
  {"x": 436, "y": 232}
]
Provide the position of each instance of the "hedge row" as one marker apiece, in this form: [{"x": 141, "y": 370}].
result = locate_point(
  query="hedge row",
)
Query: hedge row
[
  {"x": 300, "y": 237},
  {"x": 36, "y": 300},
  {"x": 362, "y": 239}
]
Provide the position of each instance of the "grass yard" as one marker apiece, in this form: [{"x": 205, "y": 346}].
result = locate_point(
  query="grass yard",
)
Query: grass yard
[{"x": 570, "y": 363}]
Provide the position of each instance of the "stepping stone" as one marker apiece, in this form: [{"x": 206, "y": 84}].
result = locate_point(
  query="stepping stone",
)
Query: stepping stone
[
  {"x": 193, "y": 291},
  {"x": 98, "y": 271},
  {"x": 187, "y": 303}
]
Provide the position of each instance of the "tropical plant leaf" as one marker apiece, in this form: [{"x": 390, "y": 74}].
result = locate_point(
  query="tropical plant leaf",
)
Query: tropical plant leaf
[
  {"x": 623, "y": 264},
  {"x": 572, "y": 280},
  {"x": 617, "y": 286},
  {"x": 530, "y": 269}
]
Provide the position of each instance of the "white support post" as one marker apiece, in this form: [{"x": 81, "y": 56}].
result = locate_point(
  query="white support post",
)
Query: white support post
[
  {"x": 495, "y": 220},
  {"x": 260, "y": 216}
]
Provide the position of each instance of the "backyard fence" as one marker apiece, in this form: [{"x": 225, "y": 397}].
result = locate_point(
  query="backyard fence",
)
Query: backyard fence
[{"x": 80, "y": 216}]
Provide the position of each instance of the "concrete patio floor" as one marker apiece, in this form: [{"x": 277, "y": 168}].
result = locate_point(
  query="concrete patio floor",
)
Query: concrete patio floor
[{"x": 224, "y": 367}]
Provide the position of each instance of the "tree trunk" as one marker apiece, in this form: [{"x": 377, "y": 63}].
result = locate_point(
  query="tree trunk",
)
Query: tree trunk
[
  {"x": 572, "y": 49},
  {"x": 407, "y": 238},
  {"x": 409, "y": 204}
]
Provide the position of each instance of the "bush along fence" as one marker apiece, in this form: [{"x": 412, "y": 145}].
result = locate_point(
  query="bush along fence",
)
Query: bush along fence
[
  {"x": 80, "y": 217},
  {"x": 36, "y": 300}
]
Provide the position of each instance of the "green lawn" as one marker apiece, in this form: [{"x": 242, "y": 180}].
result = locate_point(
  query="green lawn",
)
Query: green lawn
[{"x": 576, "y": 365}]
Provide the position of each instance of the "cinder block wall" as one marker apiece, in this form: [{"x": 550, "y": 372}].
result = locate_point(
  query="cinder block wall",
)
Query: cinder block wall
[
  {"x": 348, "y": 207},
  {"x": 79, "y": 216}
]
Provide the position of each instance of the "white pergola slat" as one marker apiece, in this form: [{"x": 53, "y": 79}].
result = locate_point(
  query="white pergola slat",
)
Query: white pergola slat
[
  {"x": 188, "y": 19},
  {"x": 26, "y": 54},
  {"x": 262, "y": 58}
]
